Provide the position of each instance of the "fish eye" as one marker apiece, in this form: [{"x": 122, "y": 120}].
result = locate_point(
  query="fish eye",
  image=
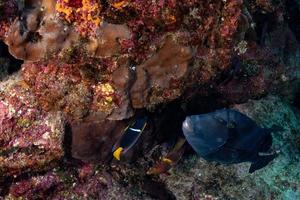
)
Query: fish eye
[
  {"x": 231, "y": 124},
  {"x": 187, "y": 126}
]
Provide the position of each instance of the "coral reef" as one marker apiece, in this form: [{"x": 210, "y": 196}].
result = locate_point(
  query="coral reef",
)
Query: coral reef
[
  {"x": 85, "y": 13},
  {"x": 89, "y": 68},
  {"x": 38, "y": 32},
  {"x": 30, "y": 138},
  {"x": 8, "y": 11},
  {"x": 114, "y": 47},
  {"x": 161, "y": 77},
  {"x": 86, "y": 182}
]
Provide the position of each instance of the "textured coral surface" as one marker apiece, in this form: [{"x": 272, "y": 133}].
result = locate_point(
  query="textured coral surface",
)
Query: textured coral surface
[
  {"x": 30, "y": 139},
  {"x": 89, "y": 68}
]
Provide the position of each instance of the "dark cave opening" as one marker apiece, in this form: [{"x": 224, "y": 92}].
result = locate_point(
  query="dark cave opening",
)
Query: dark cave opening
[
  {"x": 293, "y": 17},
  {"x": 5, "y": 184},
  {"x": 265, "y": 23},
  {"x": 296, "y": 102},
  {"x": 7, "y": 61}
]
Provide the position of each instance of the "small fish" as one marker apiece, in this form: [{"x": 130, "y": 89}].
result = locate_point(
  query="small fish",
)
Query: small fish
[
  {"x": 165, "y": 163},
  {"x": 130, "y": 137},
  {"x": 227, "y": 137}
]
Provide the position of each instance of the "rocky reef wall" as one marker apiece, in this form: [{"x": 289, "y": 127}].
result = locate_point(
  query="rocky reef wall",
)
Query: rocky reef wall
[{"x": 76, "y": 73}]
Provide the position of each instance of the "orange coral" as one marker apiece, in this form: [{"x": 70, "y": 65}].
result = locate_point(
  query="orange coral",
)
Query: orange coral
[
  {"x": 120, "y": 5},
  {"x": 84, "y": 14}
]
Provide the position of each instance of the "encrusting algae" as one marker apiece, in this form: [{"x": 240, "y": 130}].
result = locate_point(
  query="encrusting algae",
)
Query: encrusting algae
[{"x": 84, "y": 14}]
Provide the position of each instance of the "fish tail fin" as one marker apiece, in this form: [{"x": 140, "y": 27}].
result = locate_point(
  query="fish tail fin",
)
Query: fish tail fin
[
  {"x": 274, "y": 128},
  {"x": 267, "y": 143},
  {"x": 261, "y": 162},
  {"x": 117, "y": 153}
]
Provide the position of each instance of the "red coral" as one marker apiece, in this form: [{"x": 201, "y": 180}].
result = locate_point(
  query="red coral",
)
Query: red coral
[
  {"x": 36, "y": 187},
  {"x": 28, "y": 139},
  {"x": 4, "y": 27},
  {"x": 75, "y": 3},
  {"x": 8, "y": 10}
]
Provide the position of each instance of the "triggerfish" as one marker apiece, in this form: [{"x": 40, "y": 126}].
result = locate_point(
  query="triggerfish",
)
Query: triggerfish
[
  {"x": 130, "y": 137},
  {"x": 227, "y": 136}
]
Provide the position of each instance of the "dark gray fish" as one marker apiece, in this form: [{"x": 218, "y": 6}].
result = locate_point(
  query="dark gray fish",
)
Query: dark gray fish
[{"x": 227, "y": 137}]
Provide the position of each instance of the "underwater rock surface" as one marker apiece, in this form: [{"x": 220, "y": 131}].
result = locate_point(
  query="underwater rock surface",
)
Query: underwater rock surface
[
  {"x": 30, "y": 139},
  {"x": 282, "y": 177},
  {"x": 197, "y": 178}
]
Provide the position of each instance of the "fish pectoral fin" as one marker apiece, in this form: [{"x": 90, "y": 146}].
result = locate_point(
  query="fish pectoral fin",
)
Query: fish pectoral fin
[
  {"x": 167, "y": 160},
  {"x": 117, "y": 153},
  {"x": 261, "y": 162}
]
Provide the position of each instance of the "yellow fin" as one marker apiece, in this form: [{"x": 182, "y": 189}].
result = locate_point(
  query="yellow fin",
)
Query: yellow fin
[
  {"x": 167, "y": 160},
  {"x": 117, "y": 153}
]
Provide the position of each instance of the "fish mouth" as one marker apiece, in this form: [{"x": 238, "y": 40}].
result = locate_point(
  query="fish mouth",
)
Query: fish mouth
[{"x": 187, "y": 126}]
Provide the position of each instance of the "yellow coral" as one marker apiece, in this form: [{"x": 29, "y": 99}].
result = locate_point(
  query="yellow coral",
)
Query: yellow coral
[
  {"x": 24, "y": 123},
  {"x": 62, "y": 7},
  {"x": 120, "y": 4},
  {"x": 106, "y": 93},
  {"x": 85, "y": 17},
  {"x": 90, "y": 11},
  {"x": 106, "y": 89}
]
